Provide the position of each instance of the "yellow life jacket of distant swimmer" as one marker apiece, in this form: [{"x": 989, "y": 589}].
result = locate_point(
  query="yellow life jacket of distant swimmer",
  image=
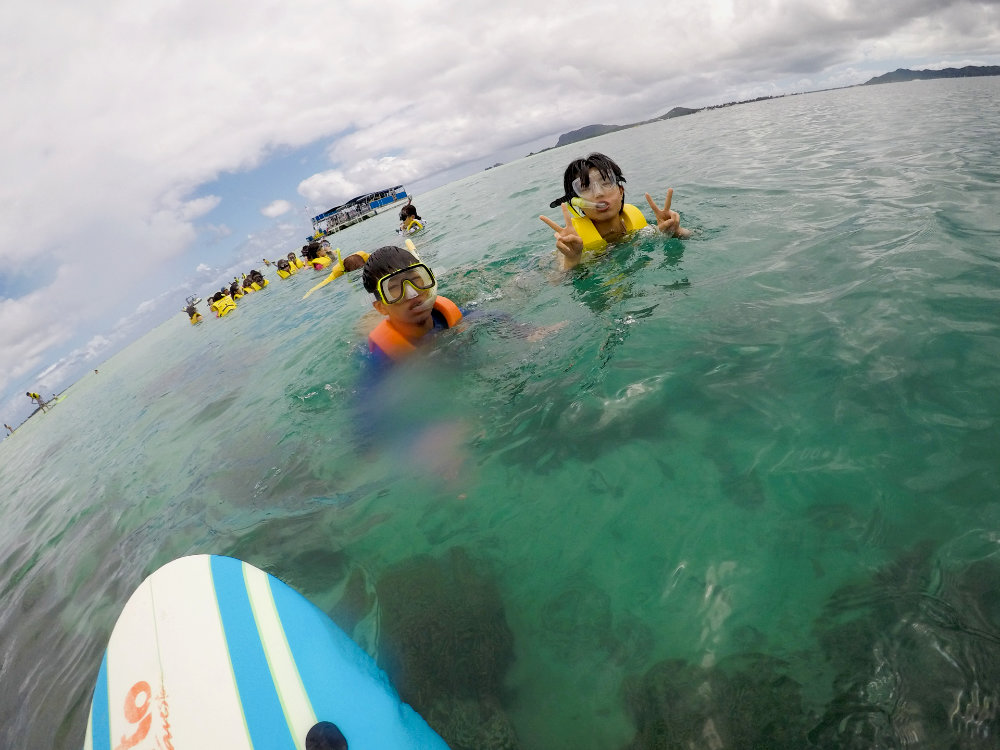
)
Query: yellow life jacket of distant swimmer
[
  {"x": 223, "y": 306},
  {"x": 413, "y": 225},
  {"x": 321, "y": 262},
  {"x": 394, "y": 344},
  {"x": 196, "y": 318},
  {"x": 284, "y": 274},
  {"x": 592, "y": 239},
  {"x": 299, "y": 263}
]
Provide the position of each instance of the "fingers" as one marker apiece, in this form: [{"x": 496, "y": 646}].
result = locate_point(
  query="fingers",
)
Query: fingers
[
  {"x": 567, "y": 215},
  {"x": 551, "y": 223},
  {"x": 666, "y": 206}
]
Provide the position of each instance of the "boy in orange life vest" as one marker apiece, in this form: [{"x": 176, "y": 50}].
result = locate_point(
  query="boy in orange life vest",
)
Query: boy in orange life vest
[{"x": 406, "y": 294}]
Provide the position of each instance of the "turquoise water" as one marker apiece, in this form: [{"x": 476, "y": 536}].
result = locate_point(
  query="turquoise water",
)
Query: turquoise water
[{"x": 748, "y": 493}]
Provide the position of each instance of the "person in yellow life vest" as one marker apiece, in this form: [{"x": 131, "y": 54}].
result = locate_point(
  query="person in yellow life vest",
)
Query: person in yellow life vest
[
  {"x": 316, "y": 255},
  {"x": 595, "y": 212},
  {"x": 352, "y": 262},
  {"x": 222, "y": 303},
  {"x": 284, "y": 269},
  {"x": 37, "y": 399},
  {"x": 294, "y": 263},
  {"x": 405, "y": 293},
  {"x": 193, "y": 315},
  {"x": 410, "y": 221},
  {"x": 258, "y": 280}
]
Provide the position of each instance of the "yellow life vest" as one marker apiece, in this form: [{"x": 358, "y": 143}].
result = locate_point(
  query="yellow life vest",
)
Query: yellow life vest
[
  {"x": 284, "y": 274},
  {"x": 413, "y": 225},
  {"x": 299, "y": 263},
  {"x": 395, "y": 345},
  {"x": 196, "y": 318},
  {"x": 321, "y": 262},
  {"x": 592, "y": 239},
  {"x": 223, "y": 306}
]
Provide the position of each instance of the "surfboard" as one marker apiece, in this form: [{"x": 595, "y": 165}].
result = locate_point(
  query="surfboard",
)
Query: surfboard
[{"x": 211, "y": 652}]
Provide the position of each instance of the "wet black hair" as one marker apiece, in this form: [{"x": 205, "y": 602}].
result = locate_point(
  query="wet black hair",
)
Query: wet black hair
[
  {"x": 256, "y": 275},
  {"x": 384, "y": 261},
  {"x": 283, "y": 263},
  {"x": 409, "y": 210},
  {"x": 311, "y": 250},
  {"x": 579, "y": 169},
  {"x": 325, "y": 735}
]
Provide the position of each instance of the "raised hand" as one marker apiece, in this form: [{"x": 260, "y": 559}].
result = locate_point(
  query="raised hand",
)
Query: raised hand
[
  {"x": 667, "y": 221},
  {"x": 568, "y": 241}
]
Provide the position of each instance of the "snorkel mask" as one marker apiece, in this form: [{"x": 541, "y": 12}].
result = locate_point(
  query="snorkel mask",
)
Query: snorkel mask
[
  {"x": 391, "y": 288},
  {"x": 594, "y": 188}
]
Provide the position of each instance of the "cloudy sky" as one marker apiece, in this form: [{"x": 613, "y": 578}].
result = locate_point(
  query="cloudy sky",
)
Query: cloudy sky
[{"x": 151, "y": 148}]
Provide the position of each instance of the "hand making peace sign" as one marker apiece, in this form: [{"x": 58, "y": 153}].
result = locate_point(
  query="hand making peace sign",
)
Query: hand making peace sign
[
  {"x": 667, "y": 221},
  {"x": 568, "y": 241}
]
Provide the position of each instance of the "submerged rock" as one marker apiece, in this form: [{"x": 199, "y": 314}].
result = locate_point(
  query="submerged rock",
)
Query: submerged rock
[
  {"x": 743, "y": 702},
  {"x": 916, "y": 654},
  {"x": 447, "y": 647}
]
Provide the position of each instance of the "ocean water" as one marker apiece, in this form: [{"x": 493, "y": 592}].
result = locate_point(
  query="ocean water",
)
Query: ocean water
[{"x": 748, "y": 494}]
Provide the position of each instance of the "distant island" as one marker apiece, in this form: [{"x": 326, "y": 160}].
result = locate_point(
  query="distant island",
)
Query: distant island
[
  {"x": 902, "y": 74},
  {"x": 897, "y": 76}
]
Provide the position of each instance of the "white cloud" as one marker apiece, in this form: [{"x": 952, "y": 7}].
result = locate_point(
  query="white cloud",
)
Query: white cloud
[{"x": 276, "y": 208}]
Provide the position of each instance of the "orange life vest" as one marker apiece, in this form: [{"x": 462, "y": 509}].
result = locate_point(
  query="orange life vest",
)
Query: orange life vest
[{"x": 387, "y": 339}]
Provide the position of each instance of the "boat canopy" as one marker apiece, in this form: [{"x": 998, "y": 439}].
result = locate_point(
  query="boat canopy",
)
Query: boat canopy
[{"x": 368, "y": 201}]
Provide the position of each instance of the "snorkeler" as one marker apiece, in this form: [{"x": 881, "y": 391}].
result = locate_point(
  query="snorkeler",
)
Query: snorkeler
[
  {"x": 352, "y": 262},
  {"x": 595, "y": 212},
  {"x": 410, "y": 220}
]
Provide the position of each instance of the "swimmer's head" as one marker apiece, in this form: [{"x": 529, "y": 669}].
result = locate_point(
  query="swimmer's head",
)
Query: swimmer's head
[
  {"x": 382, "y": 262},
  {"x": 311, "y": 251},
  {"x": 353, "y": 262},
  {"x": 583, "y": 178}
]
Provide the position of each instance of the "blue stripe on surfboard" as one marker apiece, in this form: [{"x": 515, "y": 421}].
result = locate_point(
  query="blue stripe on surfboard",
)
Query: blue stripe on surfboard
[
  {"x": 100, "y": 718},
  {"x": 344, "y": 683},
  {"x": 262, "y": 710}
]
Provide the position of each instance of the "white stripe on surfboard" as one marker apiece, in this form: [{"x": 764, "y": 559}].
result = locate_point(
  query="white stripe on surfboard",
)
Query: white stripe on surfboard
[
  {"x": 204, "y": 704},
  {"x": 292, "y": 693}
]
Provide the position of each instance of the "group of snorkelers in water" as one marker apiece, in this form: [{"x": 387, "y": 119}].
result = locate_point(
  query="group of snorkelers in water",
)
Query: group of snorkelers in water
[
  {"x": 404, "y": 288},
  {"x": 317, "y": 253}
]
